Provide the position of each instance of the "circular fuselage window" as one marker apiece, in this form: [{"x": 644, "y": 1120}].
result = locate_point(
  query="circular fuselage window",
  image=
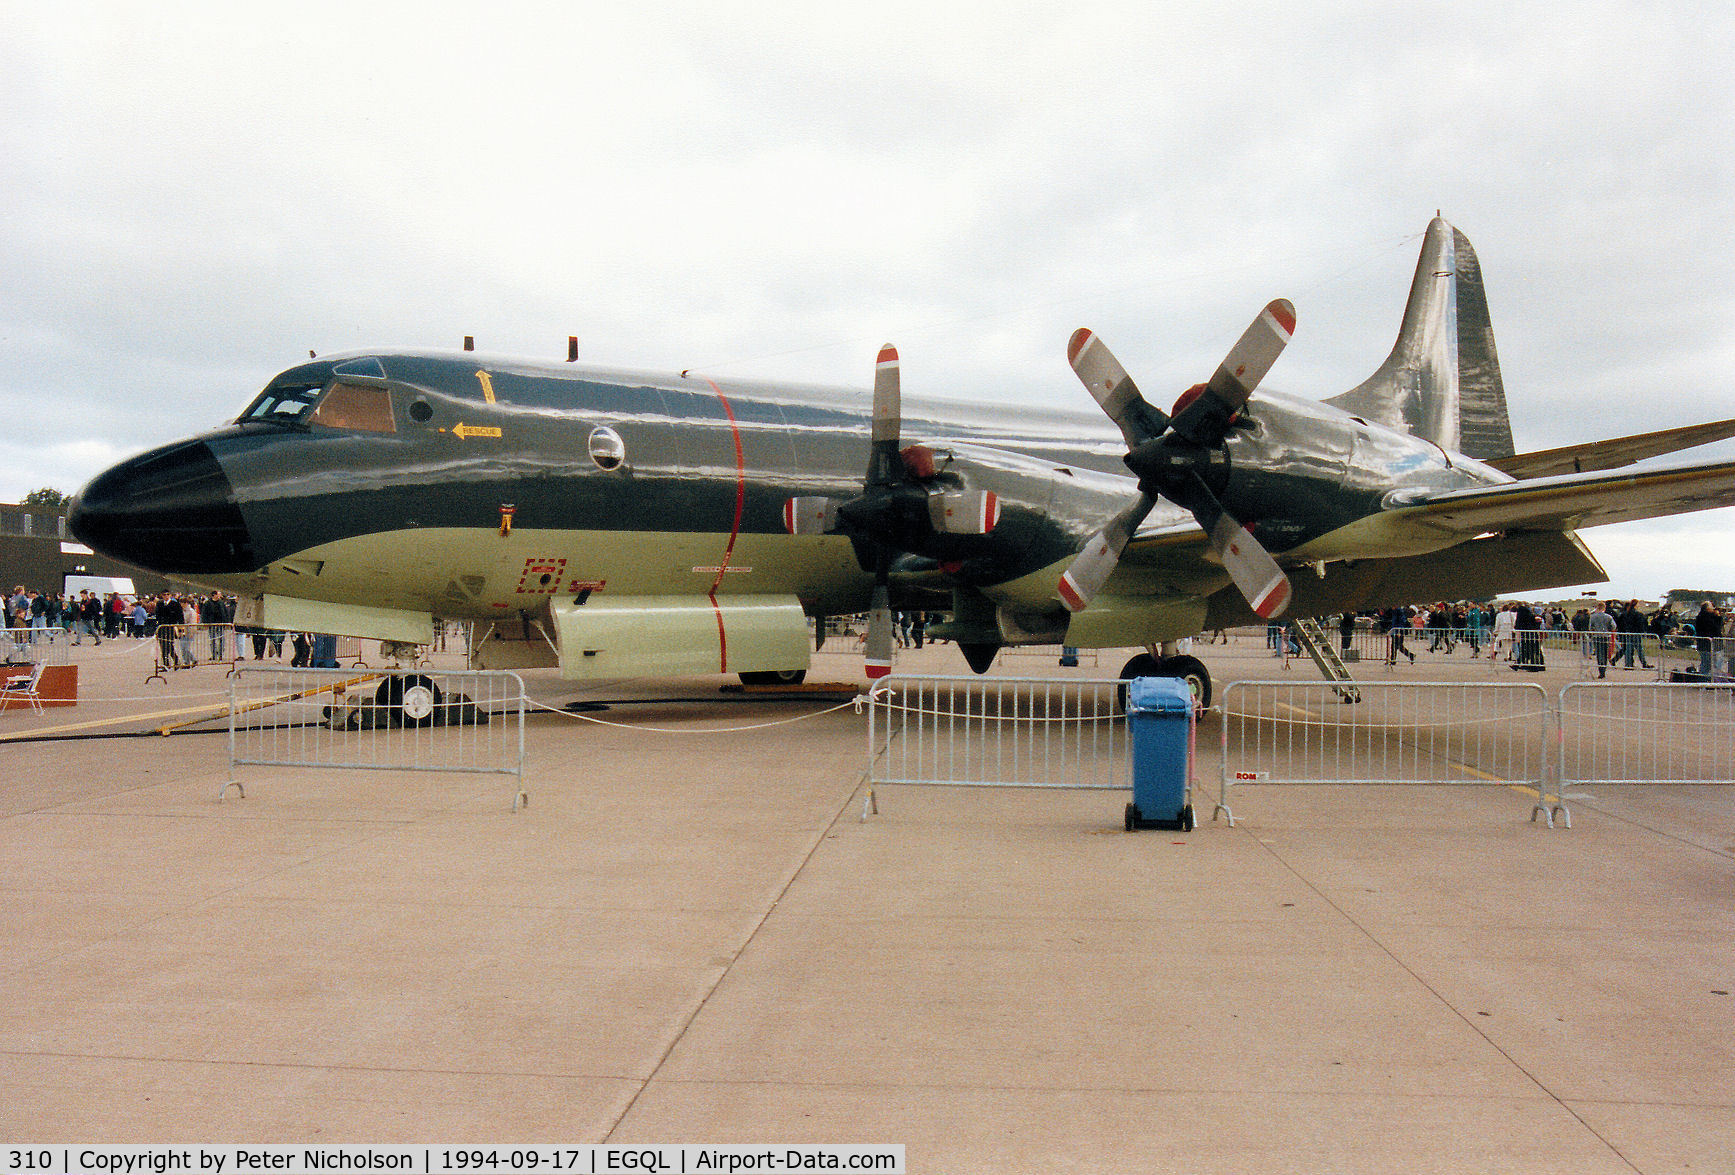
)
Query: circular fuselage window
[{"x": 607, "y": 449}]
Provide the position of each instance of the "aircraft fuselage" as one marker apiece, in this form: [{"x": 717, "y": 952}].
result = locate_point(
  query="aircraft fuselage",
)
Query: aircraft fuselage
[{"x": 475, "y": 488}]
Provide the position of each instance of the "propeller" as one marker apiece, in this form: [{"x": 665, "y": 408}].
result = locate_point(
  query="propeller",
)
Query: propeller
[
  {"x": 884, "y": 475},
  {"x": 1175, "y": 457},
  {"x": 899, "y": 509}
]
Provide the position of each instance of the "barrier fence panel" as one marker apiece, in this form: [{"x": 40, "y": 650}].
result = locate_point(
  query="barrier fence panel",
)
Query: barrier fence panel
[
  {"x": 187, "y": 646},
  {"x": 1054, "y": 654},
  {"x": 32, "y": 646},
  {"x": 470, "y": 722},
  {"x": 998, "y": 731},
  {"x": 1617, "y": 733},
  {"x": 1553, "y": 649},
  {"x": 1476, "y": 734}
]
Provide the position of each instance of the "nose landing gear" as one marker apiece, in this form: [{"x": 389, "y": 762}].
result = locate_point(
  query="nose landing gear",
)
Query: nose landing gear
[{"x": 411, "y": 698}]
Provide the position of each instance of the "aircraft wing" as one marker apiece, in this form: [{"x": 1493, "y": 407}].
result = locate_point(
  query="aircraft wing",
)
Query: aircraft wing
[
  {"x": 1173, "y": 558},
  {"x": 1573, "y": 500},
  {"x": 1483, "y": 540},
  {"x": 1611, "y": 454}
]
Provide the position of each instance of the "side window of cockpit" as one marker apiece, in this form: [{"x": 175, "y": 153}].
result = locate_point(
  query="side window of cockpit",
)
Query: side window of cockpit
[
  {"x": 283, "y": 403},
  {"x": 355, "y": 407}
]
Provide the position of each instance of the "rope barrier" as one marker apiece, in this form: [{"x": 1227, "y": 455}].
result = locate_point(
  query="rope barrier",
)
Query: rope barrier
[
  {"x": 1109, "y": 716},
  {"x": 534, "y": 705}
]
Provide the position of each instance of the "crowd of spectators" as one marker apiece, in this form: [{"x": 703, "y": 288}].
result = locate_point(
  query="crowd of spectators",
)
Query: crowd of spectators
[
  {"x": 176, "y": 620},
  {"x": 1611, "y": 632}
]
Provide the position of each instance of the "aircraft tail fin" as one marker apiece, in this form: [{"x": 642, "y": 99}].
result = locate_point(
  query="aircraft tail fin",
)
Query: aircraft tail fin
[{"x": 1442, "y": 380}]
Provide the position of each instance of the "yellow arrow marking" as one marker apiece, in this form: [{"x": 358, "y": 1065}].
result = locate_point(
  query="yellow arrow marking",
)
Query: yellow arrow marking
[
  {"x": 487, "y": 385},
  {"x": 474, "y": 430}
]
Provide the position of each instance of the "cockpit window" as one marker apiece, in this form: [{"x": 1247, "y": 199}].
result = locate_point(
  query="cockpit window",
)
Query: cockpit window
[
  {"x": 284, "y": 403},
  {"x": 369, "y": 367},
  {"x": 353, "y": 406}
]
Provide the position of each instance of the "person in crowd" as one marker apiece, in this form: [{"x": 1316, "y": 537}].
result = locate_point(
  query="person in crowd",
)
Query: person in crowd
[
  {"x": 1346, "y": 629},
  {"x": 1396, "y": 623},
  {"x": 1633, "y": 625},
  {"x": 1504, "y": 623},
  {"x": 211, "y": 615},
  {"x": 1527, "y": 627},
  {"x": 1292, "y": 638},
  {"x": 141, "y": 619},
  {"x": 188, "y": 628},
  {"x": 1470, "y": 616},
  {"x": 89, "y": 621},
  {"x": 169, "y": 622},
  {"x": 1599, "y": 629},
  {"x": 1440, "y": 620},
  {"x": 1708, "y": 631}
]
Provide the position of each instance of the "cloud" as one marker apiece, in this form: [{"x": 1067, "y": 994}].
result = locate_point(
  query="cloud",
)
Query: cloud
[{"x": 198, "y": 195}]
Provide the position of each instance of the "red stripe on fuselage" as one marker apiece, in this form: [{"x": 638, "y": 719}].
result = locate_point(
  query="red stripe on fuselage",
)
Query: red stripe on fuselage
[{"x": 734, "y": 529}]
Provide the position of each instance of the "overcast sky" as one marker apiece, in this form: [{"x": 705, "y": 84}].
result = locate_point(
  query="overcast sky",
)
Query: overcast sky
[{"x": 198, "y": 195}]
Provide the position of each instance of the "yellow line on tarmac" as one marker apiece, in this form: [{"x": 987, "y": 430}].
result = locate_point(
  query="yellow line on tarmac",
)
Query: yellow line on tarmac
[
  {"x": 205, "y": 711},
  {"x": 71, "y": 726},
  {"x": 1523, "y": 789}
]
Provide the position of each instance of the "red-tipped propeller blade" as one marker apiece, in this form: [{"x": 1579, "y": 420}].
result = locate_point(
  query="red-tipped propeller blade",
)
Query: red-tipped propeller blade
[{"x": 1173, "y": 467}]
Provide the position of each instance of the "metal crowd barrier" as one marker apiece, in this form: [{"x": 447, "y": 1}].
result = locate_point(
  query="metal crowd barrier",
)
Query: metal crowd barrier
[
  {"x": 471, "y": 722},
  {"x": 1060, "y": 733},
  {"x": 1555, "y": 649},
  {"x": 1466, "y": 734},
  {"x": 188, "y": 646},
  {"x": 998, "y": 732},
  {"x": 1652, "y": 734},
  {"x": 1058, "y": 654},
  {"x": 32, "y": 646}
]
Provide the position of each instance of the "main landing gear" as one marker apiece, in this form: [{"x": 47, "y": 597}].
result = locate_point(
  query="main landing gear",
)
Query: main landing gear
[
  {"x": 773, "y": 677},
  {"x": 1189, "y": 669}
]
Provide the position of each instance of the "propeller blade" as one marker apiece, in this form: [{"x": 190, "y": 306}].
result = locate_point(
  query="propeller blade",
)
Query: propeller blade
[
  {"x": 1108, "y": 382},
  {"x": 807, "y": 515},
  {"x": 1092, "y": 566},
  {"x": 884, "y": 466},
  {"x": 1262, "y": 582},
  {"x": 964, "y": 511},
  {"x": 879, "y": 634},
  {"x": 1254, "y": 353},
  {"x": 1252, "y": 568},
  {"x": 1204, "y": 413}
]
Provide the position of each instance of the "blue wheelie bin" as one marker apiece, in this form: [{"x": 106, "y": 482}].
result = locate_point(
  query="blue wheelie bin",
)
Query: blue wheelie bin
[{"x": 1160, "y": 712}]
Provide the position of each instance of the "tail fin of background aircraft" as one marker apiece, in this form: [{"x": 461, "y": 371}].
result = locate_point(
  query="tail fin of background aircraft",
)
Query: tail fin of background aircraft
[{"x": 1442, "y": 380}]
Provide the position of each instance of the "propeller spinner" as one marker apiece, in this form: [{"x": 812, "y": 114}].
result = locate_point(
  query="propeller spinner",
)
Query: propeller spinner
[
  {"x": 898, "y": 509},
  {"x": 1174, "y": 456}
]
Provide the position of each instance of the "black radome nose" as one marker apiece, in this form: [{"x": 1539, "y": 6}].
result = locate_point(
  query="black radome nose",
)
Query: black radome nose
[{"x": 171, "y": 510}]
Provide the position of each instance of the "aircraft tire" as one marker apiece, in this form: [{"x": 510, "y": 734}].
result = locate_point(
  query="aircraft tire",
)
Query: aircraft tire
[
  {"x": 1143, "y": 665},
  {"x": 1192, "y": 671},
  {"x": 774, "y": 677},
  {"x": 411, "y": 698},
  {"x": 1189, "y": 669}
]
